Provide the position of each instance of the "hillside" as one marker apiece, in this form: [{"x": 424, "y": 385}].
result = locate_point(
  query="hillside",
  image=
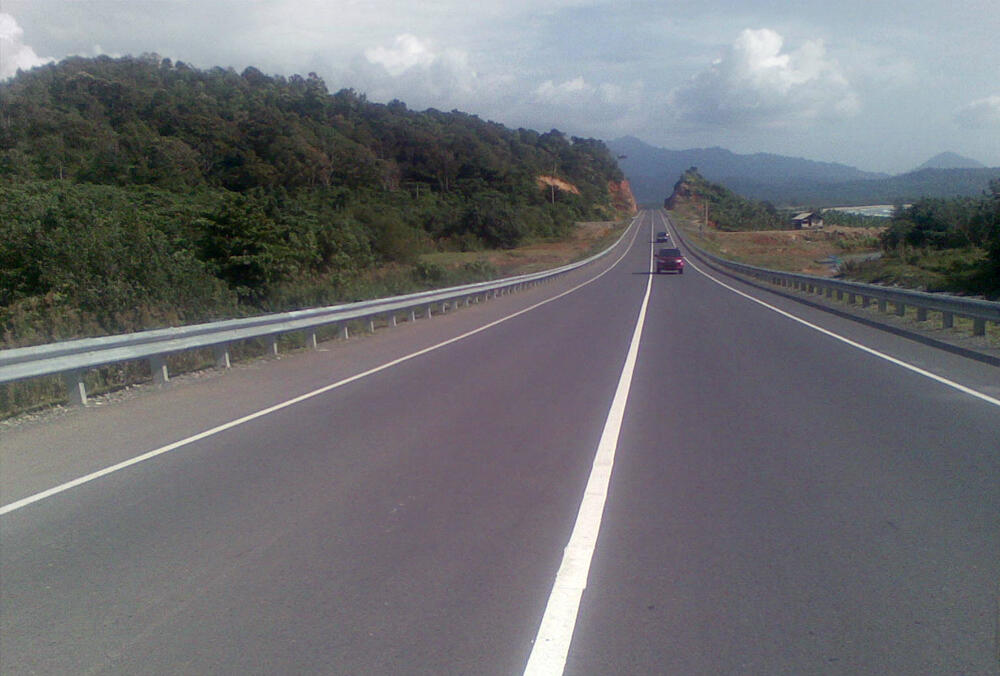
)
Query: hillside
[
  {"x": 139, "y": 192},
  {"x": 950, "y": 161},
  {"x": 724, "y": 209}
]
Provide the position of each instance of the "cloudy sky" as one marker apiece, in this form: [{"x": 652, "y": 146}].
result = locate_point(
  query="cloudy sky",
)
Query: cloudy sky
[{"x": 878, "y": 84}]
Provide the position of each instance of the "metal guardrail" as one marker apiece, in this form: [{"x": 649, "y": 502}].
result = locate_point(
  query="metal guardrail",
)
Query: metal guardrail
[
  {"x": 74, "y": 358},
  {"x": 949, "y": 307}
]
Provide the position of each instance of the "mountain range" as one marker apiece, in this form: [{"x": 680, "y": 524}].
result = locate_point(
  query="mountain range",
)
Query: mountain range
[{"x": 782, "y": 180}]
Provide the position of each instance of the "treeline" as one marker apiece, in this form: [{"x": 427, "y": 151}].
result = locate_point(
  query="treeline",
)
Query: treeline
[
  {"x": 727, "y": 210},
  {"x": 140, "y": 192},
  {"x": 947, "y": 223}
]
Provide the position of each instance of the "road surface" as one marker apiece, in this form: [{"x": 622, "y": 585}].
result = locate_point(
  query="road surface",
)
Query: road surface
[{"x": 780, "y": 502}]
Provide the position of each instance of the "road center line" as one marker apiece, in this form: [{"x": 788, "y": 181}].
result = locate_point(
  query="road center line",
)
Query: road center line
[
  {"x": 881, "y": 355},
  {"x": 548, "y": 654},
  {"x": 24, "y": 502}
]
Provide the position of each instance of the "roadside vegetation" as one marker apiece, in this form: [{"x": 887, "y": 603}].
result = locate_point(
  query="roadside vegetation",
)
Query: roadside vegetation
[
  {"x": 941, "y": 245},
  {"x": 139, "y": 193}
]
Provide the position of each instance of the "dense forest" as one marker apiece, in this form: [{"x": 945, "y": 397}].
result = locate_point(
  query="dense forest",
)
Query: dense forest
[{"x": 141, "y": 192}]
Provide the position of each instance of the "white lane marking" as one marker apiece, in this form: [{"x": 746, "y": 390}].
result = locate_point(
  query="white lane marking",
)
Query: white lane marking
[
  {"x": 881, "y": 355},
  {"x": 24, "y": 502},
  {"x": 548, "y": 654}
]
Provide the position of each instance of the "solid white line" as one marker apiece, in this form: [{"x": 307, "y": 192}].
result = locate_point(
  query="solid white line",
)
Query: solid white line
[
  {"x": 24, "y": 502},
  {"x": 548, "y": 654},
  {"x": 881, "y": 355}
]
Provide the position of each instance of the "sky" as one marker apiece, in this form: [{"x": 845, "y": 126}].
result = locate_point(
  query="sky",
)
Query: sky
[{"x": 882, "y": 85}]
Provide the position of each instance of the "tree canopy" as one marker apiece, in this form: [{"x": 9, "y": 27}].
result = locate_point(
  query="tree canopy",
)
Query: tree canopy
[{"x": 141, "y": 192}]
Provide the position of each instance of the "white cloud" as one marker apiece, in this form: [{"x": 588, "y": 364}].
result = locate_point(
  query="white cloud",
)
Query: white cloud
[
  {"x": 407, "y": 52},
  {"x": 14, "y": 54},
  {"x": 419, "y": 73},
  {"x": 980, "y": 114},
  {"x": 584, "y": 108},
  {"x": 755, "y": 83},
  {"x": 578, "y": 92}
]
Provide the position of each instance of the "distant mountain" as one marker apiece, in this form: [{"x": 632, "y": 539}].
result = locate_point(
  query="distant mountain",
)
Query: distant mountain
[
  {"x": 950, "y": 161},
  {"x": 786, "y": 181},
  {"x": 653, "y": 171},
  {"x": 902, "y": 189}
]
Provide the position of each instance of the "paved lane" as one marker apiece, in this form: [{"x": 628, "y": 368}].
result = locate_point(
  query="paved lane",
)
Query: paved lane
[
  {"x": 407, "y": 523},
  {"x": 783, "y": 503}
]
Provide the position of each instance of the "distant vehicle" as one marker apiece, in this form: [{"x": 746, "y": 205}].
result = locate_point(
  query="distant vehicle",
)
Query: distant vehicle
[
  {"x": 669, "y": 260},
  {"x": 662, "y": 237}
]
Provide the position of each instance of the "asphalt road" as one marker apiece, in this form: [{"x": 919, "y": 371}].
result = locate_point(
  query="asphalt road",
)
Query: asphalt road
[{"x": 781, "y": 502}]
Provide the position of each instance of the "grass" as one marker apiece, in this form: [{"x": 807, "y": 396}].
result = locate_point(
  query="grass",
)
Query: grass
[
  {"x": 585, "y": 240},
  {"x": 952, "y": 270}
]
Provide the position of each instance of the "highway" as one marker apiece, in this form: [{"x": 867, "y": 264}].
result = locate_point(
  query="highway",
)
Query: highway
[{"x": 775, "y": 500}]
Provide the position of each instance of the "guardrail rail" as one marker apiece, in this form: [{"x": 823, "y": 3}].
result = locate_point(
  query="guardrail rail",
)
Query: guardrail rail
[
  {"x": 73, "y": 358},
  {"x": 949, "y": 307}
]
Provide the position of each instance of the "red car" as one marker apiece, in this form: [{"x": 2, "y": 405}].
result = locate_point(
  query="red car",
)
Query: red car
[{"x": 669, "y": 260}]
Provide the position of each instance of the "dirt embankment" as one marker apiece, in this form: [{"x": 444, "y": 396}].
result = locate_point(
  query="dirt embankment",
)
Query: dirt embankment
[
  {"x": 557, "y": 183},
  {"x": 621, "y": 196},
  {"x": 622, "y": 199}
]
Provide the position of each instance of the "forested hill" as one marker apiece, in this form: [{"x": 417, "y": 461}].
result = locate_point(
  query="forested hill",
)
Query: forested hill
[{"x": 140, "y": 191}]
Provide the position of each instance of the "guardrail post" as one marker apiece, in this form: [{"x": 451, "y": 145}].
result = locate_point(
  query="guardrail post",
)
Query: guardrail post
[
  {"x": 947, "y": 320},
  {"x": 883, "y": 305},
  {"x": 429, "y": 311},
  {"x": 851, "y": 298},
  {"x": 76, "y": 391},
  {"x": 158, "y": 366},
  {"x": 829, "y": 292},
  {"x": 221, "y": 353},
  {"x": 371, "y": 325},
  {"x": 272, "y": 345},
  {"x": 979, "y": 327},
  {"x": 865, "y": 301},
  {"x": 413, "y": 315},
  {"x": 840, "y": 294},
  {"x": 921, "y": 314},
  {"x": 390, "y": 319},
  {"x": 900, "y": 309},
  {"x": 311, "y": 341}
]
